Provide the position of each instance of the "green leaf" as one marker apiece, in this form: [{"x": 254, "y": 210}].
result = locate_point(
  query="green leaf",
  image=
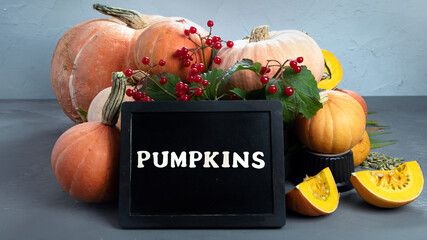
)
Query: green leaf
[
  {"x": 375, "y": 123},
  {"x": 305, "y": 100},
  {"x": 380, "y": 145},
  {"x": 382, "y": 141},
  {"x": 239, "y": 92},
  {"x": 210, "y": 77},
  {"x": 224, "y": 78},
  {"x": 372, "y": 112},
  {"x": 372, "y": 134},
  {"x": 160, "y": 92},
  {"x": 83, "y": 114}
]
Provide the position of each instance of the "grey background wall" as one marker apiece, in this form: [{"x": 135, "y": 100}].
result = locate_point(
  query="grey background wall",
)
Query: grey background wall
[{"x": 381, "y": 43}]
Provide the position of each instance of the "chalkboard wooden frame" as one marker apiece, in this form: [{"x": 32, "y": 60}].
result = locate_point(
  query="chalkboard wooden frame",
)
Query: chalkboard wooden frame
[{"x": 276, "y": 218}]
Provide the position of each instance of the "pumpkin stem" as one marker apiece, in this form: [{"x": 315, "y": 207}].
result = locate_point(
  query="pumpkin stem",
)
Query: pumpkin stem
[
  {"x": 323, "y": 97},
  {"x": 132, "y": 18},
  {"x": 260, "y": 33},
  {"x": 111, "y": 109}
]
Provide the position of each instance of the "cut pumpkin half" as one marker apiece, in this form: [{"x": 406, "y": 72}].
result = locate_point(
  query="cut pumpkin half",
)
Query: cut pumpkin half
[
  {"x": 391, "y": 188},
  {"x": 317, "y": 195},
  {"x": 332, "y": 72}
]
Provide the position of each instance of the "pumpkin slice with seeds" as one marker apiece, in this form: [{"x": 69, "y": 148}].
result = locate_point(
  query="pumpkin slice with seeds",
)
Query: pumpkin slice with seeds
[
  {"x": 332, "y": 72},
  {"x": 390, "y": 188},
  {"x": 317, "y": 195}
]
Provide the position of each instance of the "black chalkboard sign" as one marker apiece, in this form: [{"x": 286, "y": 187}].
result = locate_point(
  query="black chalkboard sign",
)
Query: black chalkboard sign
[{"x": 202, "y": 164}]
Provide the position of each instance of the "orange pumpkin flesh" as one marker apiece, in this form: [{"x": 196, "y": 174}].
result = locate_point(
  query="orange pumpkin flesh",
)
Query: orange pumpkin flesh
[
  {"x": 264, "y": 45},
  {"x": 332, "y": 72},
  {"x": 392, "y": 188},
  {"x": 361, "y": 150},
  {"x": 162, "y": 39},
  {"x": 317, "y": 195},
  {"x": 335, "y": 128},
  {"x": 85, "y": 161}
]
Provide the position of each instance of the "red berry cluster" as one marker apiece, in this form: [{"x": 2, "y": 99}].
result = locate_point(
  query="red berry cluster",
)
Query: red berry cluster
[
  {"x": 295, "y": 67},
  {"x": 185, "y": 92},
  {"x": 187, "y": 55}
]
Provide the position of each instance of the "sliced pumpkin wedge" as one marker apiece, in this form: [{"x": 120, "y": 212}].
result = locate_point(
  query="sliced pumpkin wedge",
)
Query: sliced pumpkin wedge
[
  {"x": 391, "y": 188},
  {"x": 332, "y": 73},
  {"x": 317, "y": 195}
]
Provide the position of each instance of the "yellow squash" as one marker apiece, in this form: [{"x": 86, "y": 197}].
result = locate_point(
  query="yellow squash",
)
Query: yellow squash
[
  {"x": 317, "y": 195},
  {"x": 332, "y": 72},
  {"x": 392, "y": 188}
]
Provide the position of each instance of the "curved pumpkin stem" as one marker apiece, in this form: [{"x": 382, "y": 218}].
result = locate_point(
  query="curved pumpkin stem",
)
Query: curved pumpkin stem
[
  {"x": 323, "y": 97},
  {"x": 132, "y": 18},
  {"x": 111, "y": 109},
  {"x": 260, "y": 33}
]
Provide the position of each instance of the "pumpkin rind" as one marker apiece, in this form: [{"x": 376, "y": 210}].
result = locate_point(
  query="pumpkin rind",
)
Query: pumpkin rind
[
  {"x": 282, "y": 45},
  {"x": 160, "y": 41},
  {"x": 332, "y": 69},
  {"x": 304, "y": 197},
  {"x": 361, "y": 150},
  {"x": 408, "y": 182},
  {"x": 335, "y": 128}
]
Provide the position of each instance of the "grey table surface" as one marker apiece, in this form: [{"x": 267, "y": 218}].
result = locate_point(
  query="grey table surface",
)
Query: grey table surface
[{"x": 33, "y": 205}]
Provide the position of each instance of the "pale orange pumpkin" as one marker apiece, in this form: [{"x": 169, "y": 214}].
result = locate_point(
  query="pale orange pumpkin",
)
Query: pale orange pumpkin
[
  {"x": 85, "y": 158},
  {"x": 160, "y": 42},
  {"x": 94, "y": 113},
  {"x": 276, "y": 45},
  {"x": 335, "y": 128}
]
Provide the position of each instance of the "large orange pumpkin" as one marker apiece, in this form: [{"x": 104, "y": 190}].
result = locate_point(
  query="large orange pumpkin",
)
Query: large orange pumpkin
[
  {"x": 162, "y": 39},
  {"x": 335, "y": 128},
  {"x": 89, "y": 52},
  {"x": 276, "y": 45},
  {"x": 85, "y": 158}
]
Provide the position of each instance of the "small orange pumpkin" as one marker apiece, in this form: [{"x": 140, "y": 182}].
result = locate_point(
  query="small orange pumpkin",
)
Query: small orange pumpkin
[
  {"x": 335, "y": 128},
  {"x": 160, "y": 42},
  {"x": 264, "y": 45},
  {"x": 85, "y": 158}
]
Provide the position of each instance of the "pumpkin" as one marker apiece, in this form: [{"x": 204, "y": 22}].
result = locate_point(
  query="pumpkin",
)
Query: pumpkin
[
  {"x": 89, "y": 52},
  {"x": 357, "y": 97},
  {"x": 317, "y": 195},
  {"x": 391, "y": 188},
  {"x": 336, "y": 128},
  {"x": 332, "y": 72},
  {"x": 160, "y": 42},
  {"x": 94, "y": 112},
  {"x": 263, "y": 45},
  {"x": 85, "y": 158},
  {"x": 361, "y": 150}
]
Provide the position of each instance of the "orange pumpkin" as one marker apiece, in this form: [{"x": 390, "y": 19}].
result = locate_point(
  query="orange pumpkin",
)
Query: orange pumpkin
[
  {"x": 89, "y": 52},
  {"x": 162, "y": 39},
  {"x": 357, "y": 97},
  {"x": 276, "y": 45},
  {"x": 85, "y": 158},
  {"x": 361, "y": 150},
  {"x": 335, "y": 128}
]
